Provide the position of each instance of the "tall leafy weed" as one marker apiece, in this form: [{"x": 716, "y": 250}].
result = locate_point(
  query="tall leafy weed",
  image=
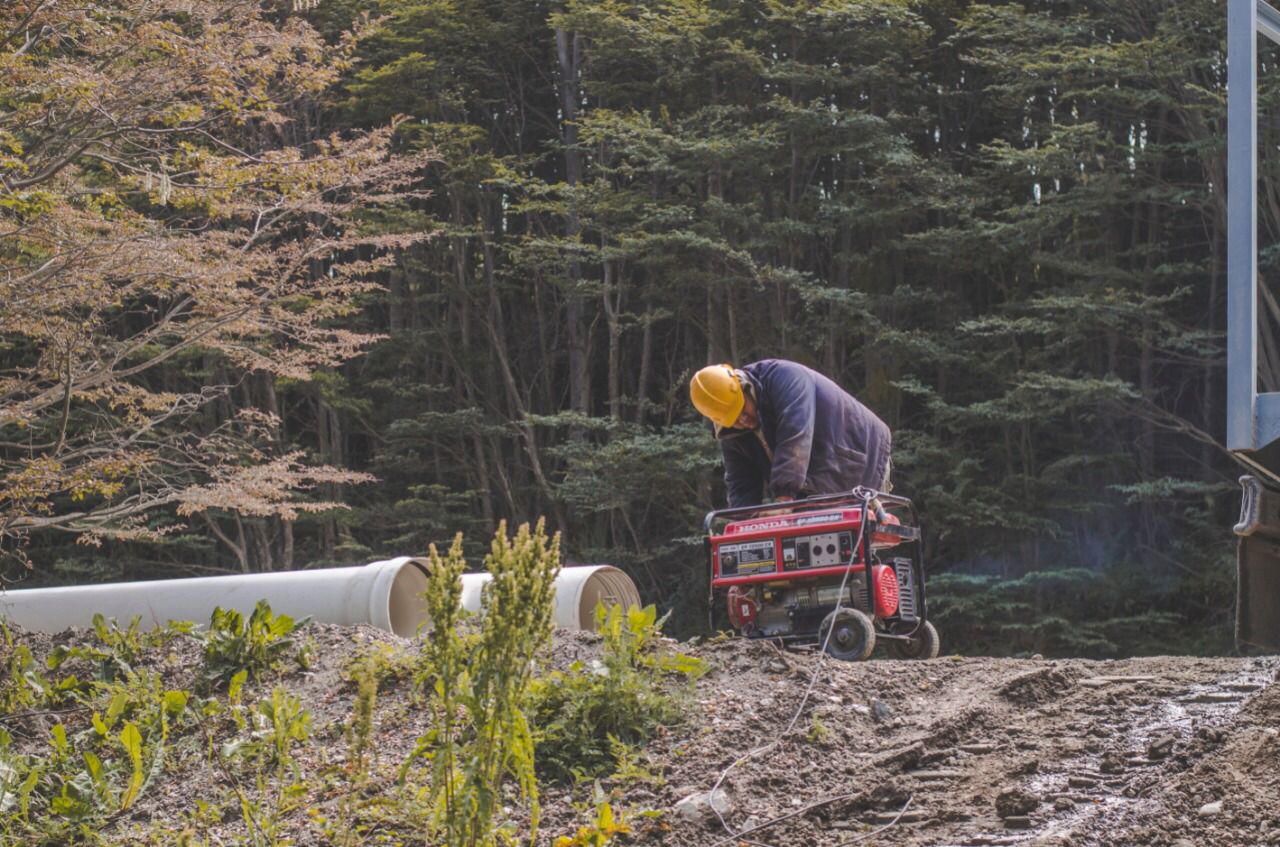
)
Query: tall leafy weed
[
  {"x": 477, "y": 682},
  {"x": 587, "y": 720}
]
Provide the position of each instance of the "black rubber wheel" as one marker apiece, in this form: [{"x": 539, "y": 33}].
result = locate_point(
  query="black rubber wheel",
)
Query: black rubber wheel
[
  {"x": 853, "y": 638},
  {"x": 923, "y": 645}
]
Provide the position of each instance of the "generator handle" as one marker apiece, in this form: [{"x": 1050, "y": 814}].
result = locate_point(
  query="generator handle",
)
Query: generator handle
[{"x": 857, "y": 495}]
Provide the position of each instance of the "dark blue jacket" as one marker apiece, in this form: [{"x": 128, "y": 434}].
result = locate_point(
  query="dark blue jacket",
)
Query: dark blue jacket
[{"x": 822, "y": 439}]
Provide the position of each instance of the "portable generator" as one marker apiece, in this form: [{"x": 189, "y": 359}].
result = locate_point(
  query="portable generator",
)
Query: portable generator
[{"x": 842, "y": 570}]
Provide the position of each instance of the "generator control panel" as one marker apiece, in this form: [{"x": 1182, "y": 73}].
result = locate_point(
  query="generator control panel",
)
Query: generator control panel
[{"x": 827, "y": 550}]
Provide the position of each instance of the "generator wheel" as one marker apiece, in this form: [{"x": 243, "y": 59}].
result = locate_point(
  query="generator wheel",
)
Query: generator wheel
[
  {"x": 923, "y": 645},
  {"x": 854, "y": 636}
]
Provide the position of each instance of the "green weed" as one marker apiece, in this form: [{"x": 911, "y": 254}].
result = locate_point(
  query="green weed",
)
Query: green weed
[
  {"x": 256, "y": 646},
  {"x": 586, "y": 720},
  {"x": 190, "y": 828},
  {"x": 359, "y": 811},
  {"x": 600, "y": 832},
  {"x": 478, "y": 683},
  {"x": 361, "y": 731},
  {"x": 632, "y": 765},
  {"x": 24, "y": 688},
  {"x": 384, "y": 663},
  {"x": 276, "y": 726},
  {"x": 65, "y": 794},
  {"x": 819, "y": 733},
  {"x": 117, "y": 650}
]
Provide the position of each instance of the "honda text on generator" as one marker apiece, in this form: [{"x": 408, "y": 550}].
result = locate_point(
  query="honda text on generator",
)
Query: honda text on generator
[{"x": 797, "y": 572}]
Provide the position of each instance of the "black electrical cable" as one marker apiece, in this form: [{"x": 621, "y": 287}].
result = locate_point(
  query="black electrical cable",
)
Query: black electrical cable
[{"x": 835, "y": 613}]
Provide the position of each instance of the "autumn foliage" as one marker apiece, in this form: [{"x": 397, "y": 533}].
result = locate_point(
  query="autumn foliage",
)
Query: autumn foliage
[{"x": 163, "y": 200}]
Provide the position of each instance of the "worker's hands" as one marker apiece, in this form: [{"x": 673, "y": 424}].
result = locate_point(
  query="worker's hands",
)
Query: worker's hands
[{"x": 772, "y": 512}]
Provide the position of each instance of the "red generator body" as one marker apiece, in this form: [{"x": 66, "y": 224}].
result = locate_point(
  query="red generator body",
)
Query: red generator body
[{"x": 798, "y": 572}]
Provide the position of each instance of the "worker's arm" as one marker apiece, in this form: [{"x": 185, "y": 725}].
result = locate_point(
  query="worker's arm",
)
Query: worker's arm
[
  {"x": 793, "y": 394},
  {"x": 743, "y": 476}
]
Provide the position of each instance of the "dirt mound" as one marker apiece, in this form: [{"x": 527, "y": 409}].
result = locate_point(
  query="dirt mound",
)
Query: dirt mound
[
  {"x": 1036, "y": 687},
  {"x": 948, "y": 752}
]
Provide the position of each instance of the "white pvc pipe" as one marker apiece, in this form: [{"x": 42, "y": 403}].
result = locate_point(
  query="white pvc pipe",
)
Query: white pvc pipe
[
  {"x": 578, "y": 590},
  {"x": 385, "y": 594}
]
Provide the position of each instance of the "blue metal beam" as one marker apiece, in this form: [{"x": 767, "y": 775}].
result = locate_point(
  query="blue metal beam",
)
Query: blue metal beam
[
  {"x": 1253, "y": 420},
  {"x": 1267, "y": 408},
  {"x": 1242, "y": 225},
  {"x": 1268, "y": 21}
]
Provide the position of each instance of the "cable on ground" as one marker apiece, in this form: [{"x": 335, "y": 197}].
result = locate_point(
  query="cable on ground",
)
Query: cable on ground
[{"x": 822, "y": 656}]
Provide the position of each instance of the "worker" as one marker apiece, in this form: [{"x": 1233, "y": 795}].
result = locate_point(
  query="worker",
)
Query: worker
[{"x": 787, "y": 431}]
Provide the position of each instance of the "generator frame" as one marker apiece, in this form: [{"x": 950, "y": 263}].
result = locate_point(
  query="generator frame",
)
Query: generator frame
[{"x": 863, "y": 558}]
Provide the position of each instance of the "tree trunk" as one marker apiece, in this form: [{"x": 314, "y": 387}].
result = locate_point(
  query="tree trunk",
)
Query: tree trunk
[
  {"x": 569, "y": 56},
  {"x": 646, "y": 353},
  {"x": 612, "y": 300},
  {"x": 286, "y": 545},
  {"x": 325, "y": 437}
]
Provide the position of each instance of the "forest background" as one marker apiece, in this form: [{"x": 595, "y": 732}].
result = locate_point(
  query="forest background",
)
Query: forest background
[{"x": 363, "y": 292}]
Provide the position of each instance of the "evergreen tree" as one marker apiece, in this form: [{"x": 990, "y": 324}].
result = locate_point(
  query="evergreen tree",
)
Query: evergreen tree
[{"x": 999, "y": 224}]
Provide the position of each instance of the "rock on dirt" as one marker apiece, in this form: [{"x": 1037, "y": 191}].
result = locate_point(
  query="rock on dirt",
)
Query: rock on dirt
[
  {"x": 1015, "y": 802},
  {"x": 1161, "y": 746},
  {"x": 702, "y": 807},
  {"x": 906, "y": 757},
  {"x": 1209, "y": 810},
  {"x": 1112, "y": 763}
]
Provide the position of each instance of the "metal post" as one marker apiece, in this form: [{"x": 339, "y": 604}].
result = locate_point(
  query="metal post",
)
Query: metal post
[
  {"x": 1242, "y": 231},
  {"x": 1253, "y": 419}
]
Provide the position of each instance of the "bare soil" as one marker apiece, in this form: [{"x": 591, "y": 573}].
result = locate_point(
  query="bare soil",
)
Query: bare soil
[
  {"x": 953, "y": 751},
  {"x": 984, "y": 751}
]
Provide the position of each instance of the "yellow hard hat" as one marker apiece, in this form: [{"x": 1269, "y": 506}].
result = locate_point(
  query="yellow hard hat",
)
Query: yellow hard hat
[{"x": 716, "y": 391}]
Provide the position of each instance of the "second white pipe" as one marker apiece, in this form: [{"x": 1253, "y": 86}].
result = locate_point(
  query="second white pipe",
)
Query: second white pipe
[{"x": 578, "y": 590}]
